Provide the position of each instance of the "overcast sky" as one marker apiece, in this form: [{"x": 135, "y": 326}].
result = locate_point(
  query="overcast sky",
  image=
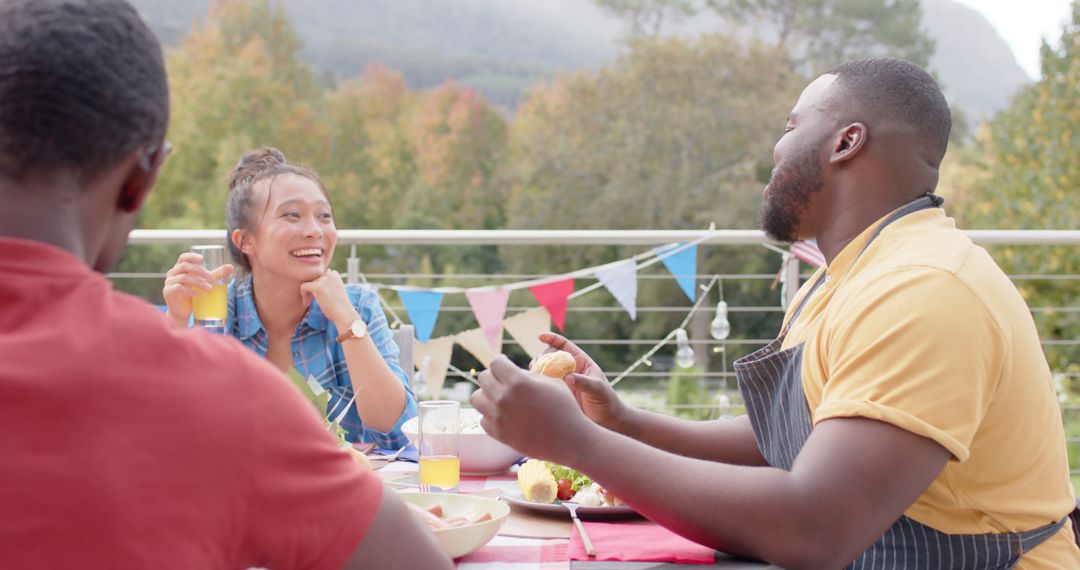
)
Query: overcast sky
[{"x": 1023, "y": 24}]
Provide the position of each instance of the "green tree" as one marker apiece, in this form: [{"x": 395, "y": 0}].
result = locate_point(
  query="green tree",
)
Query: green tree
[
  {"x": 366, "y": 158},
  {"x": 823, "y": 33},
  {"x": 675, "y": 134},
  {"x": 646, "y": 18},
  {"x": 235, "y": 83},
  {"x": 1022, "y": 172}
]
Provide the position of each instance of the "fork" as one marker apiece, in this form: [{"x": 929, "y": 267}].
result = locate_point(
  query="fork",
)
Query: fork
[
  {"x": 345, "y": 410},
  {"x": 572, "y": 507},
  {"x": 394, "y": 455}
]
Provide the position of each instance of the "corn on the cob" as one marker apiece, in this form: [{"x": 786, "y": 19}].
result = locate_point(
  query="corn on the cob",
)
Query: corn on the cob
[{"x": 536, "y": 482}]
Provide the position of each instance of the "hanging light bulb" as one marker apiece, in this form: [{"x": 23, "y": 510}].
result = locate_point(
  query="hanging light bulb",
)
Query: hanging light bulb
[
  {"x": 720, "y": 328},
  {"x": 724, "y": 403},
  {"x": 684, "y": 355}
]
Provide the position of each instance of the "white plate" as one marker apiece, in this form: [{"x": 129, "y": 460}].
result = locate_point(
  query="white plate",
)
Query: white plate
[{"x": 513, "y": 496}]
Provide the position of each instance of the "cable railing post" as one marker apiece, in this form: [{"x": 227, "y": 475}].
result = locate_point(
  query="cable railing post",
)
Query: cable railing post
[
  {"x": 352, "y": 266},
  {"x": 791, "y": 279}
]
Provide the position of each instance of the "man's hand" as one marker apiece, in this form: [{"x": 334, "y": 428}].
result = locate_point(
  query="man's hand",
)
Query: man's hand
[
  {"x": 593, "y": 392},
  {"x": 529, "y": 412},
  {"x": 329, "y": 291}
]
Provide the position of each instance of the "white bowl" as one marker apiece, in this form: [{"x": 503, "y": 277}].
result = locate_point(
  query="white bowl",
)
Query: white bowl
[
  {"x": 461, "y": 540},
  {"x": 480, "y": 453}
]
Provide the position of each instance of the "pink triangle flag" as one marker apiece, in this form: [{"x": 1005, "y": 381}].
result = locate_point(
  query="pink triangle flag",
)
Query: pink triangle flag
[
  {"x": 489, "y": 306},
  {"x": 552, "y": 296}
]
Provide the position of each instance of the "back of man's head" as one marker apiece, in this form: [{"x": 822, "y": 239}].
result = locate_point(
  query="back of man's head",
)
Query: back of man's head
[
  {"x": 82, "y": 85},
  {"x": 899, "y": 91}
]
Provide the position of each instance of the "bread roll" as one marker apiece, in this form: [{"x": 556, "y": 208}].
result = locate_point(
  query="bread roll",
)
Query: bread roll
[{"x": 554, "y": 364}]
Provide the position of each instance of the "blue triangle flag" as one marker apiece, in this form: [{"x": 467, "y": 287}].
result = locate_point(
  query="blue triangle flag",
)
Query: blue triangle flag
[
  {"x": 423, "y": 310},
  {"x": 682, "y": 265}
]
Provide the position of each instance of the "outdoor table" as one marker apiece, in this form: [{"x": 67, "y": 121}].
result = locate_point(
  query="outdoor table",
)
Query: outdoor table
[{"x": 515, "y": 552}]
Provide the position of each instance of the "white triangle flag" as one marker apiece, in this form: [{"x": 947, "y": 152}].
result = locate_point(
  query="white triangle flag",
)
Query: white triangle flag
[
  {"x": 524, "y": 327},
  {"x": 432, "y": 359},
  {"x": 476, "y": 342},
  {"x": 621, "y": 279}
]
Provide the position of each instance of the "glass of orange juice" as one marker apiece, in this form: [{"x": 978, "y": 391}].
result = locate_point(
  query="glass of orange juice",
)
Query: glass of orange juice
[
  {"x": 212, "y": 307},
  {"x": 440, "y": 464}
]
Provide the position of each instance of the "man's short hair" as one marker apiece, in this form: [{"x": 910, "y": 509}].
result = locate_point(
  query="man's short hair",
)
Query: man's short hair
[
  {"x": 82, "y": 85},
  {"x": 894, "y": 89}
]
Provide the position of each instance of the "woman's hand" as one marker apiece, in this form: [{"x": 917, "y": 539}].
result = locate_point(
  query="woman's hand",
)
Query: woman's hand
[
  {"x": 591, "y": 389},
  {"x": 329, "y": 291},
  {"x": 187, "y": 279}
]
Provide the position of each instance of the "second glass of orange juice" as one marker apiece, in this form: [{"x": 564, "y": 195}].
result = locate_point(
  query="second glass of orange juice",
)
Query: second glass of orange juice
[{"x": 440, "y": 464}]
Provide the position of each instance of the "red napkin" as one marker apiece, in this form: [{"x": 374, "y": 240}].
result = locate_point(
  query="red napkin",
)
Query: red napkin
[{"x": 638, "y": 543}]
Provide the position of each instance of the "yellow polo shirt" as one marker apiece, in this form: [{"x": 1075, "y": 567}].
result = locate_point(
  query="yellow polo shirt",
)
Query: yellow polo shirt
[{"x": 925, "y": 332}]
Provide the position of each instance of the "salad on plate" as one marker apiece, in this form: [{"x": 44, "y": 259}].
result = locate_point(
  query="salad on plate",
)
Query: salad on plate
[{"x": 546, "y": 482}]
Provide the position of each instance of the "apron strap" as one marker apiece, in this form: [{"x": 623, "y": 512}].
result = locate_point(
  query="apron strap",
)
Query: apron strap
[
  {"x": 1075, "y": 516},
  {"x": 926, "y": 201}
]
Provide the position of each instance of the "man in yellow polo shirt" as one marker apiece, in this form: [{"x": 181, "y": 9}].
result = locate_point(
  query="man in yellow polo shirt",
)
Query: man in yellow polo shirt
[{"x": 903, "y": 418}]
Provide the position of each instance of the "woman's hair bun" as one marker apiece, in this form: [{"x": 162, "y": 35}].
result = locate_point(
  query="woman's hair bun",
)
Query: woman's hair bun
[{"x": 255, "y": 162}]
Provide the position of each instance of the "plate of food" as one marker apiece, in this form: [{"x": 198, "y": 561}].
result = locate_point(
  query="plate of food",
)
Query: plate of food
[{"x": 544, "y": 486}]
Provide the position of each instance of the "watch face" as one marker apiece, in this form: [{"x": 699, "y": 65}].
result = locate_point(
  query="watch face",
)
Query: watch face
[{"x": 358, "y": 328}]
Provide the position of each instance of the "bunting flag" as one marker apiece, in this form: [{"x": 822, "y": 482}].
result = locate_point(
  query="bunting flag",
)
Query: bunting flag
[
  {"x": 621, "y": 279},
  {"x": 525, "y": 327},
  {"x": 476, "y": 342},
  {"x": 808, "y": 251},
  {"x": 683, "y": 266},
  {"x": 432, "y": 359},
  {"x": 489, "y": 306},
  {"x": 423, "y": 309},
  {"x": 552, "y": 296}
]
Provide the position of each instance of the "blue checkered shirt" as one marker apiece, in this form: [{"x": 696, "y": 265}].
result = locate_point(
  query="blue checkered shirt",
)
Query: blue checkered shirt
[{"x": 316, "y": 352}]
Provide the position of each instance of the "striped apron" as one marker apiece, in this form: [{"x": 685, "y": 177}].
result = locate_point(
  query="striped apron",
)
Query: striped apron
[{"x": 770, "y": 380}]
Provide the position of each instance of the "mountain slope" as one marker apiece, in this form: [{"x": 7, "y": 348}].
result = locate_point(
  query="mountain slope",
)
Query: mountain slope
[
  {"x": 978, "y": 68},
  {"x": 502, "y": 47}
]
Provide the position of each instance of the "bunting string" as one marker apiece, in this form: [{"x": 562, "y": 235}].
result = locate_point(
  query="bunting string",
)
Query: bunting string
[
  {"x": 645, "y": 357},
  {"x": 489, "y": 302},
  {"x": 656, "y": 256},
  {"x": 471, "y": 375},
  {"x": 431, "y": 357},
  {"x": 659, "y": 257}
]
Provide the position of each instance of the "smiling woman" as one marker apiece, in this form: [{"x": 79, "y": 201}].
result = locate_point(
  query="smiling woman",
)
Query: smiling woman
[{"x": 289, "y": 306}]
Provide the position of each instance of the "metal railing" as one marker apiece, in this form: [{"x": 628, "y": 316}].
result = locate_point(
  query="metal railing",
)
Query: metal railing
[{"x": 714, "y": 378}]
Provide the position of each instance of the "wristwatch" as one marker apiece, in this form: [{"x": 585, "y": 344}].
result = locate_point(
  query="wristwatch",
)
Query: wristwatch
[{"x": 358, "y": 329}]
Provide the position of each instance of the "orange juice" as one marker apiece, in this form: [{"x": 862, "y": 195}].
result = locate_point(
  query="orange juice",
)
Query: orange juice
[
  {"x": 443, "y": 471},
  {"x": 212, "y": 304}
]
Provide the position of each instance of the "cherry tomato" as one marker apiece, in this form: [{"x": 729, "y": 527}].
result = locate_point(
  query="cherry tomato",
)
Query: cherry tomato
[{"x": 565, "y": 492}]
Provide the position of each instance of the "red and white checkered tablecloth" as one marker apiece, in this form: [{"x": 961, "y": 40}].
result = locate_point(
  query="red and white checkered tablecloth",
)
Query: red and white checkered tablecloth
[{"x": 512, "y": 553}]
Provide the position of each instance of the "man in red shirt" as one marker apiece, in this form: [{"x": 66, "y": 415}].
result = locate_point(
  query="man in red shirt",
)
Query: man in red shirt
[{"x": 120, "y": 438}]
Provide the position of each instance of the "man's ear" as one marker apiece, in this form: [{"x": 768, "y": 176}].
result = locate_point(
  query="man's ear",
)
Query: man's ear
[
  {"x": 141, "y": 177},
  {"x": 849, "y": 142}
]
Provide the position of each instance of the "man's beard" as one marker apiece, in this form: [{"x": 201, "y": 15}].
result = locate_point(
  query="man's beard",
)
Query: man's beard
[{"x": 788, "y": 197}]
